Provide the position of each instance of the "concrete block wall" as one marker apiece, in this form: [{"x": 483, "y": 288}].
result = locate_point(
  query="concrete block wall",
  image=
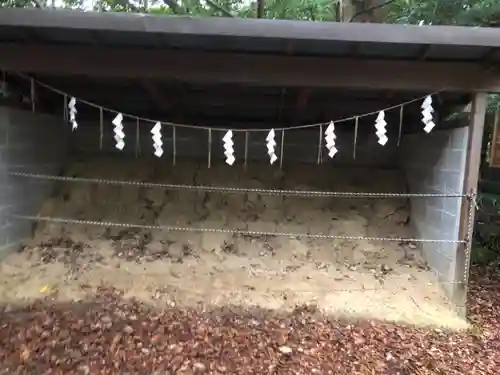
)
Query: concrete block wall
[
  {"x": 299, "y": 145},
  {"x": 33, "y": 143},
  {"x": 435, "y": 163}
]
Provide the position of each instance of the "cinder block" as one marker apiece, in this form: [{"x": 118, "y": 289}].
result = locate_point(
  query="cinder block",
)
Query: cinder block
[
  {"x": 4, "y": 234},
  {"x": 439, "y": 138},
  {"x": 436, "y": 203},
  {"x": 452, "y": 206},
  {"x": 448, "y": 250},
  {"x": 453, "y": 182},
  {"x": 4, "y": 216},
  {"x": 436, "y": 168},
  {"x": 459, "y": 137},
  {"x": 18, "y": 231},
  {"x": 36, "y": 143},
  {"x": 3, "y": 136},
  {"x": 450, "y": 226},
  {"x": 454, "y": 159},
  {"x": 441, "y": 263}
]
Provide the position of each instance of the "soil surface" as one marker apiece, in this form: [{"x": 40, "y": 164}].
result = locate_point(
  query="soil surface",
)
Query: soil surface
[{"x": 344, "y": 278}]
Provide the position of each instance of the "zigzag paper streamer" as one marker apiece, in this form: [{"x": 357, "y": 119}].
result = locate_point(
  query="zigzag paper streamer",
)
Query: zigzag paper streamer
[
  {"x": 72, "y": 113},
  {"x": 271, "y": 145},
  {"x": 330, "y": 138},
  {"x": 380, "y": 125},
  {"x": 228, "y": 147},
  {"x": 157, "y": 141},
  {"x": 118, "y": 130},
  {"x": 427, "y": 116}
]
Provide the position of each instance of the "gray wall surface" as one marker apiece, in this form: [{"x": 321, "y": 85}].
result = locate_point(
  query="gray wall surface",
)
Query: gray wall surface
[
  {"x": 28, "y": 143},
  {"x": 435, "y": 163}
]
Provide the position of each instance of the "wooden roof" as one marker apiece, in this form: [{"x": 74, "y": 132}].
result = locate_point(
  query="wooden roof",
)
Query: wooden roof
[{"x": 239, "y": 70}]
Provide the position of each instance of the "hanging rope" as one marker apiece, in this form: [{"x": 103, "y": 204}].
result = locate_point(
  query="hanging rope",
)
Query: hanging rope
[{"x": 198, "y": 127}]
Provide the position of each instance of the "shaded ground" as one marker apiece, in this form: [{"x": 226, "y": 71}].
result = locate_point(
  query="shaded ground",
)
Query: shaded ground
[{"x": 108, "y": 335}]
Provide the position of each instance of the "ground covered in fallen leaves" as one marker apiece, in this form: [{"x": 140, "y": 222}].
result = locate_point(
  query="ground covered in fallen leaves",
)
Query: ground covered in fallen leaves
[{"x": 109, "y": 335}]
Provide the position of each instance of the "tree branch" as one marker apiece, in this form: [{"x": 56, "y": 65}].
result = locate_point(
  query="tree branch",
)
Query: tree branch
[
  {"x": 124, "y": 3},
  {"x": 173, "y": 5},
  {"x": 38, "y": 4},
  {"x": 370, "y": 9},
  {"x": 219, "y": 8}
]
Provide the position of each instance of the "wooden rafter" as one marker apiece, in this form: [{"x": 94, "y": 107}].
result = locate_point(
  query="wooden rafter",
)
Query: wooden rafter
[
  {"x": 264, "y": 70},
  {"x": 302, "y": 100},
  {"x": 158, "y": 97}
]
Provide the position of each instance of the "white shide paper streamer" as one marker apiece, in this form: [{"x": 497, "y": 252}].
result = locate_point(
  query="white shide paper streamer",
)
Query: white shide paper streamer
[
  {"x": 157, "y": 142},
  {"x": 72, "y": 113},
  {"x": 228, "y": 147},
  {"x": 330, "y": 140},
  {"x": 380, "y": 125},
  {"x": 427, "y": 116},
  {"x": 271, "y": 146},
  {"x": 118, "y": 130}
]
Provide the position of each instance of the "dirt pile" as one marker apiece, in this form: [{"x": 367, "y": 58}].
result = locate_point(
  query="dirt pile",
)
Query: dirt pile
[{"x": 387, "y": 280}]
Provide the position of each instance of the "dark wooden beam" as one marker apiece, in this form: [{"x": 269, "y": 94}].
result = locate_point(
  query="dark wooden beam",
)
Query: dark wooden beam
[
  {"x": 220, "y": 96},
  {"x": 492, "y": 57},
  {"x": 185, "y": 102},
  {"x": 176, "y": 103},
  {"x": 354, "y": 49},
  {"x": 158, "y": 98},
  {"x": 423, "y": 52},
  {"x": 289, "y": 51},
  {"x": 472, "y": 162},
  {"x": 263, "y": 70},
  {"x": 302, "y": 100},
  {"x": 199, "y": 115},
  {"x": 292, "y": 110},
  {"x": 493, "y": 54}
]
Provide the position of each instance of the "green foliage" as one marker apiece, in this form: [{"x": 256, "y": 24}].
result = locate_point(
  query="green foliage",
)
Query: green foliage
[
  {"x": 486, "y": 240},
  {"x": 456, "y": 12},
  {"x": 16, "y": 3},
  {"x": 444, "y": 12},
  {"x": 315, "y": 10},
  {"x": 483, "y": 253},
  {"x": 486, "y": 250},
  {"x": 463, "y": 12}
]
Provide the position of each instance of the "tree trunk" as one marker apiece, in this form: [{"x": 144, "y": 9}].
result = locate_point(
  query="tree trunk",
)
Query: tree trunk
[
  {"x": 363, "y": 10},
  {"x": 260, "y": 8}
]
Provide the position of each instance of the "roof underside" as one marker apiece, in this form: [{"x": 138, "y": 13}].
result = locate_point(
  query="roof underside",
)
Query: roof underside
[{"x": 183, "y": 101}]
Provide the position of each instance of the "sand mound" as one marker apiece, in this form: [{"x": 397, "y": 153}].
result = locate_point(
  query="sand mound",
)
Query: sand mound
[{"x": 387, "y": 280}]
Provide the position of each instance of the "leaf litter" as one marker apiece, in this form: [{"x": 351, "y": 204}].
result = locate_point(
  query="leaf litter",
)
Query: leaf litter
[{"x": 107, "y": 334}]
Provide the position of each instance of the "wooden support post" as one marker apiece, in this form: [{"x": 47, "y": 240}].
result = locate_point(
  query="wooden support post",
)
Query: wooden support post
[{"x": 471, "y": 177}]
